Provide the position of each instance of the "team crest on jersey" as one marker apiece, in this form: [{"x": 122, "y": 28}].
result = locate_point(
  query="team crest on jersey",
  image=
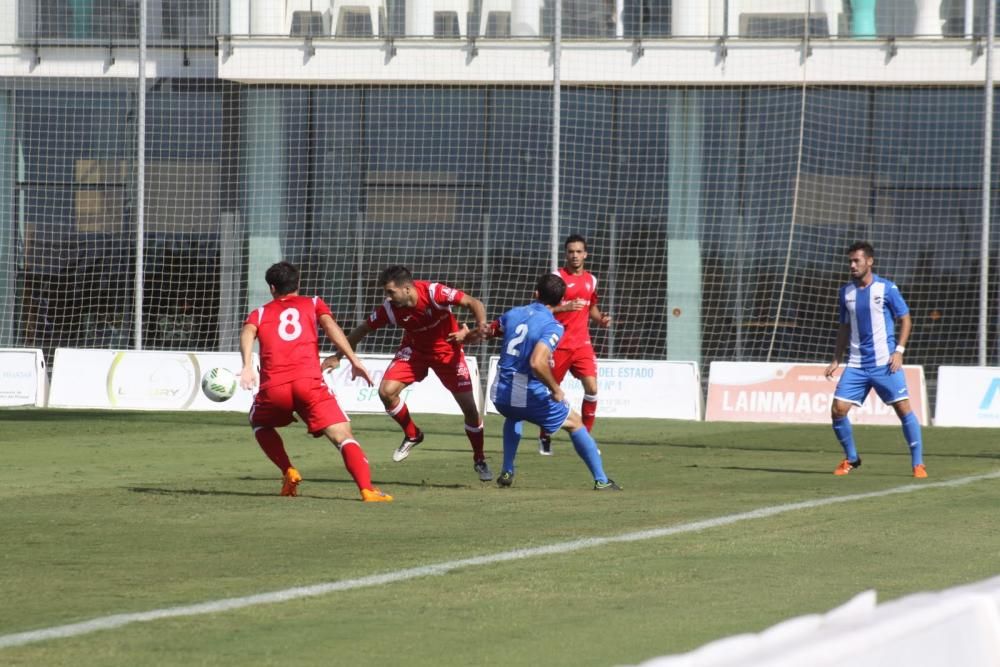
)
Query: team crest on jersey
[{"x": 404, "y": 354}]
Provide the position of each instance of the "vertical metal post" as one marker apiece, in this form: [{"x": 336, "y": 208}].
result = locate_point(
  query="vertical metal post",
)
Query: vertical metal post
[
  {"x": 612, "y": 281},
  {"x": 482, "y": 353},
  {"x": 984, "y": 245},
  {"x": 556, "y": 121},
  {"x": 140, "y": 185}
]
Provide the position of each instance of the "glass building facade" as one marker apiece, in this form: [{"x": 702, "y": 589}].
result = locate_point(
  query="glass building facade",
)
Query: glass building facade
[{"x": 456, "y": 182}]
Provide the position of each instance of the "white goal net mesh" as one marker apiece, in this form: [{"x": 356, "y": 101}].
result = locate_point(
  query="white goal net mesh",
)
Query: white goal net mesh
[{"x": 717, "y": 216}]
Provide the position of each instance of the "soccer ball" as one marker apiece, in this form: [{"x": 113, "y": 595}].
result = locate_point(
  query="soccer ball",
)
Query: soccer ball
[{"x": 219, "y": 384}]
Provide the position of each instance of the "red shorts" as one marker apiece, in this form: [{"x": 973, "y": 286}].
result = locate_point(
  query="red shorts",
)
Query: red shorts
[
  {"x": 310, "y": 397},
  {"x": 580, "y": 361},
  {"x": 409, "y": 366}
]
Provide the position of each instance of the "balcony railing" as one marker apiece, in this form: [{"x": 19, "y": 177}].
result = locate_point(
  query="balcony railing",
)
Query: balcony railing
[
  {"x": 81, "y": 22},
  {"x": 194, "y": 22}
]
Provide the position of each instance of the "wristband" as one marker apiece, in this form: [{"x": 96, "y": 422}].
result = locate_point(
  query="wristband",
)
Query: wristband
[{"x": 900, "y": 349}]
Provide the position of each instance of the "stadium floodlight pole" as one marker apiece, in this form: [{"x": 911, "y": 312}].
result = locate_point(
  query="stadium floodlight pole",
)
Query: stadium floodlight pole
[
  {"x": 556, "y": 121},
  {"x": 140, "y": 185},
  {"x": 984, "y": 244}
]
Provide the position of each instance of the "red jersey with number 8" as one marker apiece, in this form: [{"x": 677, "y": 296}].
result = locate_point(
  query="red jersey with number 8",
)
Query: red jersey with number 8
[{"x": 289, "y": 343}]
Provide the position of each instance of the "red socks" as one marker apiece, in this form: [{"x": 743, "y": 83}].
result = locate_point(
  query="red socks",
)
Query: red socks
[
  {"x": 402, "y": 416},
  {"x": 273, "y": 447},
  {"x": 475, "y": 434},
  {"x": 356, "y": 463},
  {"x": 589, "y": 411}
]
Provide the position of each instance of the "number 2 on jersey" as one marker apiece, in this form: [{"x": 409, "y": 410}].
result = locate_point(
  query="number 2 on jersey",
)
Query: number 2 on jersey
[{"x": 520, "y": 333}]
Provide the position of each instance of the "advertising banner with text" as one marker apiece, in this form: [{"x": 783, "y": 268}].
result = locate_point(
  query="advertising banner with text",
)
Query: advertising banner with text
[
  {"x": 428, "y": 396},
  {"x": 172, "y": 381},
  {"x": 140, "y": 380},
  {"x": 635, "y": 388},
  {"x": 795, "y": 393},
  {"x": 22, "y": 377},
  {"x": 968, "y": 396}
]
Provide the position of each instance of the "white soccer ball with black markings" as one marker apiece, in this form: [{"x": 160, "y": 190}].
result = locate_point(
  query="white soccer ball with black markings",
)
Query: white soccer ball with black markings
[{"x": 218, "y": 384}]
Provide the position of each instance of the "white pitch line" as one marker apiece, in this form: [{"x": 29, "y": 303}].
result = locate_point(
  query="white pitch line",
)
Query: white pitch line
[{"x": 288, "y": 594}]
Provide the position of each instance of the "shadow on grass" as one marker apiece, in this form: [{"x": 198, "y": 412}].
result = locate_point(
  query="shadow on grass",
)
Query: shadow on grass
[
  {"x": 164, "y": 491},
  {"x": 322, "y": 480},
  {"x": 933, "y": 453},
  {"x": 205, "y": 492},
  {"x": 795, "y": 471}
]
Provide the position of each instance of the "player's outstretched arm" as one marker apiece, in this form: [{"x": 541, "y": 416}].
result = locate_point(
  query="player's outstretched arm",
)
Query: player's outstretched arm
[
  {"x": 478, "y": 311},
  {"x": 353, "y": 338},
  {"x": 248, "y": 376},
  {"x": 344, "y": 348},
  {"x": 472, "y": 336}
]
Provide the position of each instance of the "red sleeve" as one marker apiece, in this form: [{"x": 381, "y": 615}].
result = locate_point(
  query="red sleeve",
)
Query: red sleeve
[
  {"x": 254, "y": 317},
  {"x": 321, "y": 308},
  {"x": 443, "y": 295},
  {"x": 378, "y": 318}
]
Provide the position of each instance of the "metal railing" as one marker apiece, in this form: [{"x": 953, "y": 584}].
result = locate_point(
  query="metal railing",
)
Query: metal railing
[{"x": 174, "y": 22}]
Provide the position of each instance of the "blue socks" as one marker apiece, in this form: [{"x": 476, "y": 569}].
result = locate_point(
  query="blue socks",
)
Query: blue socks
[
  {"x": 511, "y": 439},
  {"x": 845, "y": 435},
  {"x": 585, "y": 446},
  {"x": 911, "y": 431}
]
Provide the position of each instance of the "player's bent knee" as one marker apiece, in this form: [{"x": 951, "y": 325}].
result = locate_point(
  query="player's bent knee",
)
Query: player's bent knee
[
  {"x": 839, "y": 409},
  {"x": 573, "y": 421},
  {"x": 338, "y": 433},
  {"x": 902, "y": 408}
]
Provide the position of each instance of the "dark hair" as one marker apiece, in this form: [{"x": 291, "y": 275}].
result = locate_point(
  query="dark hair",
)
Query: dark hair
[
  {"x": 395, "y": 274},
  {"x": 575, "y": 238},
  {"x": 550, "y": 288},
  {"x": 283, "y": 277},
  {"x": 863, "y": 246}
]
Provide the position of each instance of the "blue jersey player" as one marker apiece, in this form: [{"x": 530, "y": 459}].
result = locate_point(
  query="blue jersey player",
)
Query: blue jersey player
[
  {"x": 869, "y": 308},
  {"x": 524, "y": 388}
]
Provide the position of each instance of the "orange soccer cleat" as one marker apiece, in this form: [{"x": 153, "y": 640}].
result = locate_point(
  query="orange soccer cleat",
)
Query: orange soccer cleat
[
  {"x": 920, "y": 471},
  {"x": 847, "y": 466},
  {"x": 373, "y": 495},
  {"x": 290, "y": 487}
]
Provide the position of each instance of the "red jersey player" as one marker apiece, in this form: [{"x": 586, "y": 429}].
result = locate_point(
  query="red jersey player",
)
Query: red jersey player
[
  {"x": 291, "y": 379},
  {"x": 431, "y": 339},
  {"x": 575, "y": 352}
]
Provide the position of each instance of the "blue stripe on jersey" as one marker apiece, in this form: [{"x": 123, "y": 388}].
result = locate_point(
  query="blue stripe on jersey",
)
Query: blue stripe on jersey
[
  {"x": 872, "y": 312},
  {"x": 523, "y": 328}
]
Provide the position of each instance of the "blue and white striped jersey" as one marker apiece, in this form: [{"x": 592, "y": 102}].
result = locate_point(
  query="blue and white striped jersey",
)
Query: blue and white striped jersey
[
  {"x": 872, "y": 312},
  {"x": 523, "y": 328}
]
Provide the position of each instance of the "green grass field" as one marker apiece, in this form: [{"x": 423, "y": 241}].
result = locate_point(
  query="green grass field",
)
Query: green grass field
[{"x": 109, "y": 513}]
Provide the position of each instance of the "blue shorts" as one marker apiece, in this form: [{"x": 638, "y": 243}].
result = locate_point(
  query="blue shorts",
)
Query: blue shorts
[
  {"x": 547, "y": 414},
  {"x": 855, "y": 384}
]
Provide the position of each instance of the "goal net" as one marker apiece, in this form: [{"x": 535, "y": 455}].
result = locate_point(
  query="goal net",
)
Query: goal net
[{"x": 717, "y": 217}]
